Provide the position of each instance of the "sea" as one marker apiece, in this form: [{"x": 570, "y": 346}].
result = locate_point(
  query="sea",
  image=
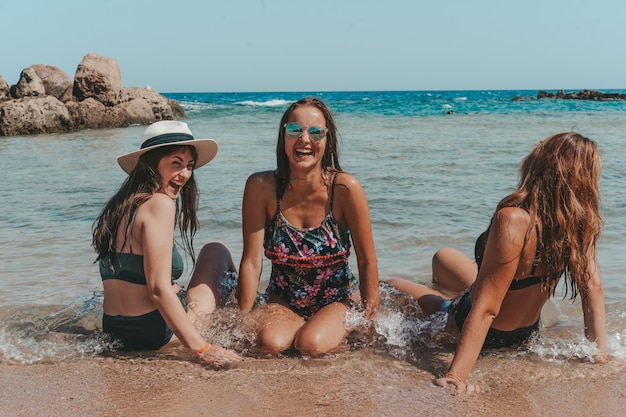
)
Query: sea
[{"x": 433, "y": 164}]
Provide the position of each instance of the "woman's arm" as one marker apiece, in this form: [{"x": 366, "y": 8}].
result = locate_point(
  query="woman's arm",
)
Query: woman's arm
[
  {"x": 157, "y": 221},
  {"x": 356, "y": 214},
  {"x": 500, "y": 262},
  {"x": 258, "y": 188},
  {"x": 594, "y": 312},
  {"x": 157, "y": 224}
]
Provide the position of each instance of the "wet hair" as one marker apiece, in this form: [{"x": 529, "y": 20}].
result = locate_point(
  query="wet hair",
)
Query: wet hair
[
  {"x": 142, "y": 183},
  {"x": 330, "y": 159},
  {"x": 560, "y": 188}
]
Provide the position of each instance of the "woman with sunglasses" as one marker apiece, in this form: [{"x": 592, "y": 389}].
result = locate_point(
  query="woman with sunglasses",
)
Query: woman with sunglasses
[
  {"x": 305, "y": 216},
  {"x": 546, "y": 229},
  {"x": 144, "y": 308}
]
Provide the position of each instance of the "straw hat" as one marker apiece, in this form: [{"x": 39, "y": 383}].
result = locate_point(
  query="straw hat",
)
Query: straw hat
[{"x": 169, "y": 132}]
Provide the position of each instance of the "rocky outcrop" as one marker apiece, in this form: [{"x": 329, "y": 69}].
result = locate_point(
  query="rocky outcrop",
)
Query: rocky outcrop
[
  {"x": 582, "y": 95},
  {"x": 56, "y": 82},
  {"x": 137, "y": 102},
  {"x": 29, "y": 85},
  {"x": 32, "y": 115},
  {"x": 5, "y": 92},
  {"x": 46, "y": 100},
  {"x": 99, "y": 78}
]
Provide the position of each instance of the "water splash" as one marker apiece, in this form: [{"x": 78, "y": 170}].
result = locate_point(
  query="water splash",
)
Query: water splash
[
  {"x": 229, "y": 328},
  {"x": 560, "y": 350},
  {"x": 53, "y": 333},
  {"x": 398, "y": 328},
  {"x": 36, "y": 334}
]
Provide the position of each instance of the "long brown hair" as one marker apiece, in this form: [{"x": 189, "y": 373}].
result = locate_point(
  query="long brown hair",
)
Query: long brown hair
[
  {"x": 138, "y": 187},
  {"x": 560, "y": 188},
  {"x": 330, "y": 159}
]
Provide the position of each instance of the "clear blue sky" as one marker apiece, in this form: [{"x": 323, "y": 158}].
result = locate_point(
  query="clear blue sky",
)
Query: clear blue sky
[{"x": 325, "y": 45}]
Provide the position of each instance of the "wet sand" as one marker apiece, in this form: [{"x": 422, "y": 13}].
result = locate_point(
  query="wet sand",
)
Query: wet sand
[{"x": 361, "y": 383}]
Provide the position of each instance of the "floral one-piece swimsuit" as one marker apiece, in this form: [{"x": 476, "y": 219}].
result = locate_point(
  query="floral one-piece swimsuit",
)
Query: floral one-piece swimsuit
[{"x": 309, "y": 266}]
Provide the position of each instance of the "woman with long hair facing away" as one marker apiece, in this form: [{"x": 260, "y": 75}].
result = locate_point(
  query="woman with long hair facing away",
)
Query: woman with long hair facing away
[
  {"x": 144, "y": 308},
  {"x": 544, "y": 231},
  {"x": 305, "y": 216}
]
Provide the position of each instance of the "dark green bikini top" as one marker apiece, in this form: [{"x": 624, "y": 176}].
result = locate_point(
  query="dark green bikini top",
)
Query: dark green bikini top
[{"x": 128, "y": 266}]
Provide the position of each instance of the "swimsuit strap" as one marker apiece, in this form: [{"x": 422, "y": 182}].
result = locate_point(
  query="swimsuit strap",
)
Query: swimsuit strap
[
  {"x": 332, "y": 192},
  {"x": 332, "y": 195},
  {"x": 537, "y": 258},
  {"x": 277, "y": 198},
  {"x": 130, "y": 234},
  {"x": 532, "y": 279}
]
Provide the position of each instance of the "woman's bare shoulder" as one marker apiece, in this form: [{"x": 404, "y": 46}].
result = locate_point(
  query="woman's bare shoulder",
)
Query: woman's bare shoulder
[
  {"x": 158, "y": 203},
  {"x": 512, "y": 214},
  {"x": 262, "y": 179},
  {"x": 515, "y": 220},
  {"x": 347, "y": 179},
  {"x": 347, "y": 184}
]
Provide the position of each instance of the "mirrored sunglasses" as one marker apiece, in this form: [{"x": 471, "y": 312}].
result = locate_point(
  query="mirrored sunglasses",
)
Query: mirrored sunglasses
[{"x": 294, "y": 130}]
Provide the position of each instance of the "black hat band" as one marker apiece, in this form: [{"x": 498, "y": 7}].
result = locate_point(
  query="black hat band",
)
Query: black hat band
[{"x": 166, "y": 138}]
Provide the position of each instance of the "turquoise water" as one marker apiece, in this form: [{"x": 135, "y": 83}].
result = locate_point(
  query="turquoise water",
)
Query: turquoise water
[{"x": 431, "y": 179}]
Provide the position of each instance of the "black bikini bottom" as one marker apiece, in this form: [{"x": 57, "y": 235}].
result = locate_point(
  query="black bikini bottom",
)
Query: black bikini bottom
[
  {"x": 461, "y": 307},
  {"x": 145, "y": 332}
]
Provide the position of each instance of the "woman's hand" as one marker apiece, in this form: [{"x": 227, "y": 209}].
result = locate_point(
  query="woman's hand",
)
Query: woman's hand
[
  {"x": 371, "y": 306},
  {"x": 218, "y": 357},
  {"x": 601, "y": 358},
  {"x": 458, "y": 384}
]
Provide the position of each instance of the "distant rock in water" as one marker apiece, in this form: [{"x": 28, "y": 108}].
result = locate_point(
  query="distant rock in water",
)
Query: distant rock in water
[
  {"x": 581, "y": 95},
  {"x": 46, "y": 100}
]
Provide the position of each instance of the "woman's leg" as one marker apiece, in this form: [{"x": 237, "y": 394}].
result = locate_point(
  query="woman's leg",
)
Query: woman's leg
[
  {"x": 324, "y": 331},
  {"x": 202, "y": 294},
  {"x": 453, "y": 270},
  {"x": 278, "y": 326},
  {"x": 429, "y": 299}
]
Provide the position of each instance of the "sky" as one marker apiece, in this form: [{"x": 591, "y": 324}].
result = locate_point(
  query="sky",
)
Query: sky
[{"x": 325, "y": 45}]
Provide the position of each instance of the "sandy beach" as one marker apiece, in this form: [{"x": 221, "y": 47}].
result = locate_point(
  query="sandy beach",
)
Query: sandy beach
[{"x": 362, "y": 382}]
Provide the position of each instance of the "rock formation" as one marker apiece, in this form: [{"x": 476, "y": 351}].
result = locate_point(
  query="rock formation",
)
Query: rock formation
[
  {"x": 46, "y": 100},
  {"x": 580, "y": 95}
]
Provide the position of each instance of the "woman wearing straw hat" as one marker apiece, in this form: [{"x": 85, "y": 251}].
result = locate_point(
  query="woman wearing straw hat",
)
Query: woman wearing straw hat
[{"x": 134, "y": 237}]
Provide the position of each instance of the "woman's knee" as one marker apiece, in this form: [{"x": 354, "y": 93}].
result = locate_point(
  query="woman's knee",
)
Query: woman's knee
[
  {"x": 443, "y": 260},
  {"x": 215, "y": 250},
  {"x": 452, "y": 269},
  {"x": 323, "y": 333},
  {"x": 312, "y": 343},
  {"x": 443, "y": 256},
  {"x": 213, "y": 260},
  {"x": 271, "y": 339}
]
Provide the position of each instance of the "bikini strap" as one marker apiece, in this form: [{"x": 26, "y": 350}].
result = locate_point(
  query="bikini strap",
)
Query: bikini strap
[
  {"x": 537, "y": 257},
  {"x": 130, "y": 232}
]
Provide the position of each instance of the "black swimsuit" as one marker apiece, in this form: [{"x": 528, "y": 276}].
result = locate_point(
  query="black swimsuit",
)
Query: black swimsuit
[{"x": 460, "y": 306}]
